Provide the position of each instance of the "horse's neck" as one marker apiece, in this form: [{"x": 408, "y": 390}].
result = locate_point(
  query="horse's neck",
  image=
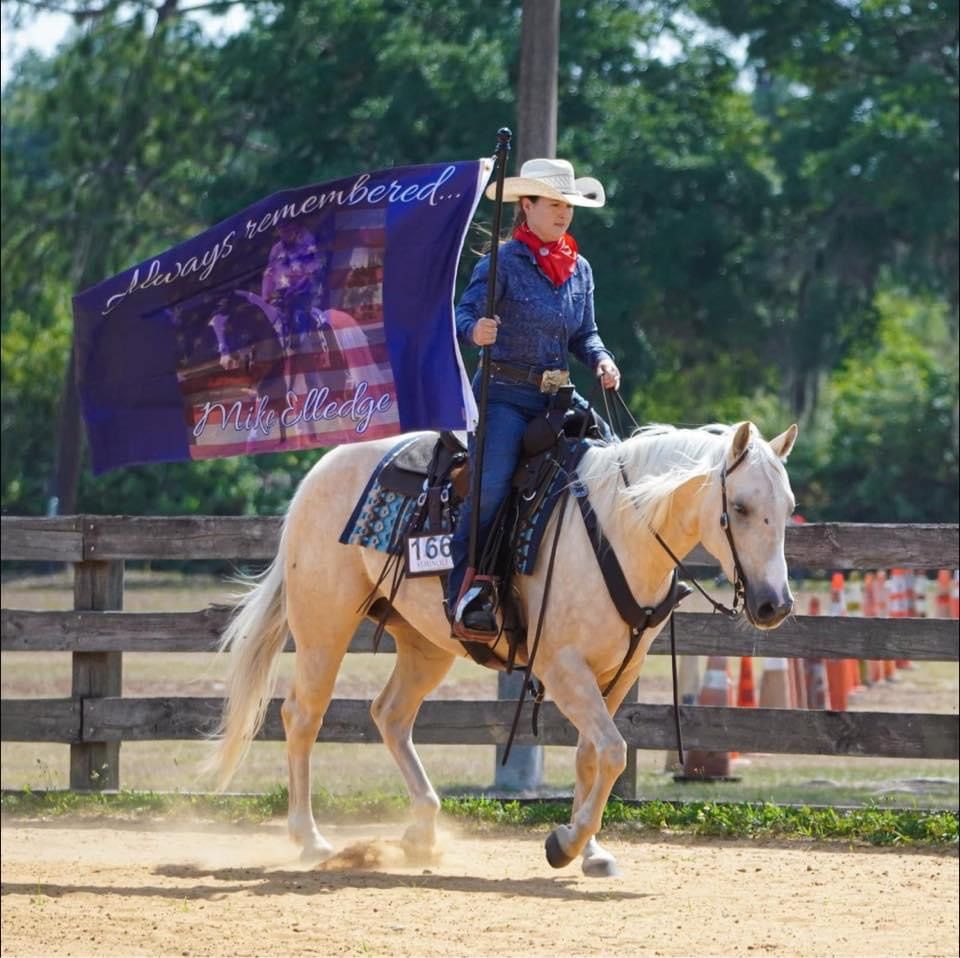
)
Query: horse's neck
[{"x": 646, "y": 563}]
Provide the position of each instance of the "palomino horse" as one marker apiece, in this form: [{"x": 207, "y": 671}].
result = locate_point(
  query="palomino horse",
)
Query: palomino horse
[{"x": 673, "y": 481}]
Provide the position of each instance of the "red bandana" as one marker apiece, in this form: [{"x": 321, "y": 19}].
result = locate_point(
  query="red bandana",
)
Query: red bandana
[{"x": 557, "y": 260}]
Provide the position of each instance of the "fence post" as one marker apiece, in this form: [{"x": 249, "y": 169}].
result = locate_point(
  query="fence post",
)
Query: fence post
[
  {"x": 97, "y": 586},
  {"x": 626, "y": 785}
]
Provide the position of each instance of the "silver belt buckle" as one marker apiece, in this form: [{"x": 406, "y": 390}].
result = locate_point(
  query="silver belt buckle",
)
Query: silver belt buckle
[{"x": 552, "y": 379}]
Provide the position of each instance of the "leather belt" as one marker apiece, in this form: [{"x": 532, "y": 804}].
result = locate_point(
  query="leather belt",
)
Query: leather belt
[{"x": 546, "y": 380}]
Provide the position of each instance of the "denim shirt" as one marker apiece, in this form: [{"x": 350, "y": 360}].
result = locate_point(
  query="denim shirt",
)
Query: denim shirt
[{"x": 540, "y": 324}]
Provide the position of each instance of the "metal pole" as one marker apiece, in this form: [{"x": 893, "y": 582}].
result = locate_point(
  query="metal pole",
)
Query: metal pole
[{"x": 503, "y": 149}]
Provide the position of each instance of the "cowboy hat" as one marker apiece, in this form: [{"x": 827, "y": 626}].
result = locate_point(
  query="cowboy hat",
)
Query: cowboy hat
[{"x": 554, "y": 179}]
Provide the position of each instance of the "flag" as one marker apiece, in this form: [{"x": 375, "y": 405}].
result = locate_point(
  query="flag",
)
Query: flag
[{"x": 318, "y": 316}]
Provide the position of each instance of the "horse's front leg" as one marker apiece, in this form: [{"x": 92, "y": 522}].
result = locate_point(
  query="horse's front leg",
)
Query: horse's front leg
[
  {"x": 597, "y": 862},
  {"x": 574, "y": 688},
  {"x": 419, "y": 668}
]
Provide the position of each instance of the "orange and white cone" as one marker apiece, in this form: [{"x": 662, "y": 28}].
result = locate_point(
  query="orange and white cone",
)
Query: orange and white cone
[
  {"x": 775, "y": 686},
  {"x": 916, "y": 604},
  {"x": 746, "y": 690},
  {"x": 898, "y": 610},
  {"x": 874, "y": 668},
  {"x": 941, "y": 604},
  {"x": 715, "y": 691},
  {"x": 845, "y": 671},
  {"x": 815, "y": 670},
  {"x": 882, "y": 595}
]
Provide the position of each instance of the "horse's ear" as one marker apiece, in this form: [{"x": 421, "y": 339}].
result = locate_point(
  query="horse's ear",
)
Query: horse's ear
[
  {"x": 782, "y": 444},
  {"x": 740, "y": 439}
]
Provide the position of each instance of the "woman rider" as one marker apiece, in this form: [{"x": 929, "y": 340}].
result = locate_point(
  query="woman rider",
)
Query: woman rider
[{"x": 544, "y": 312}]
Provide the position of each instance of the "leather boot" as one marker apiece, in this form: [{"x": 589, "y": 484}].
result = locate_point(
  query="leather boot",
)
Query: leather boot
[{"x": 480, "y": 615}]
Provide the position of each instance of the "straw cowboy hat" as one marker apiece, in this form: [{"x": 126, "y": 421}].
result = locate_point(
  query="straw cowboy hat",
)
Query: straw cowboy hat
[{"x": 554, "y": 179}]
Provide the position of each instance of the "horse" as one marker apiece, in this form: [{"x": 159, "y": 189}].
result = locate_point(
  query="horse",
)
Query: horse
[{"x": 725, "y": 487}]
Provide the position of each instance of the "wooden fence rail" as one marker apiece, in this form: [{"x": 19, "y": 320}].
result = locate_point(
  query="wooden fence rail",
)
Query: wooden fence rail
[{"x": 96, "y": 718}]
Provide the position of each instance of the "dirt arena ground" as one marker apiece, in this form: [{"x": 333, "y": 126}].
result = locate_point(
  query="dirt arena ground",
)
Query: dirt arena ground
[{"x": 113, "y": 887}]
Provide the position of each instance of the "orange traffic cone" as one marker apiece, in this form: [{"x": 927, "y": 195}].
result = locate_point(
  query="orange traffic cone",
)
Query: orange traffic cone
[
  {"x": 701, "y": 765},
  {"x": 775, "y": 688},
  {"x": 873, "y": 668},
  {"x": 955, "y": 596},
  {"x": 746, "y": 691},
  {"x": 941, "y": 607},
  {"x": 815, "y": 670},
  {"x": 899, "y": 609},
  {"x": 838, "y": 672},
  {"x": 916, "y": 604},
  {"x": 847, "y": 670},
  {"x": 838, "y": 682}
]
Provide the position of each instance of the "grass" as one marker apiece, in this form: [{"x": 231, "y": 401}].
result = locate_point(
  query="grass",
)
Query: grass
[{"x": 730, "y": 820}]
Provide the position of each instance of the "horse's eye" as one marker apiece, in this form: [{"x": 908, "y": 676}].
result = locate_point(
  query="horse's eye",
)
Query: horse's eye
[{"x": 739, "y": 508}]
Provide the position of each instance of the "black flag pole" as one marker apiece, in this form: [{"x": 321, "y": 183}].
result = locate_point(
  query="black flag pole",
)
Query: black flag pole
[{"x": 503, "y": 149}]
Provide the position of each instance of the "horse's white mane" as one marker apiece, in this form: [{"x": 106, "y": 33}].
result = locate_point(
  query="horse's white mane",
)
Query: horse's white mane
[{"x": 658, "y": 459}]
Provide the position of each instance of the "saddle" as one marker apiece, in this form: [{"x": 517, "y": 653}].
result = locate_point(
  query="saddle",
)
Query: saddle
[
  {"x": 429, "y": 459},
  {"x": 433, "y": 470}
]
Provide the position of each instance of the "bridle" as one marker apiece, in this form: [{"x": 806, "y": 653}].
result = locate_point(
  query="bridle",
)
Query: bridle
[{"x": 739, "y": 576}]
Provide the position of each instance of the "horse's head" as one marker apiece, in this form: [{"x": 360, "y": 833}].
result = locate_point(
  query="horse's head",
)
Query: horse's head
[{"x": 743, "y": 519}]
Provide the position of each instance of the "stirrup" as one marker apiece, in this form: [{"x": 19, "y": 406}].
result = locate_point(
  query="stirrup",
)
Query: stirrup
[{"x": 476, "y": 589}]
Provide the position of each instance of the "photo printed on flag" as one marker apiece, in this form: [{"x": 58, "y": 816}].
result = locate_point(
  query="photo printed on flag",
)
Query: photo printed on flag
[{"x": 318, "y": 316}]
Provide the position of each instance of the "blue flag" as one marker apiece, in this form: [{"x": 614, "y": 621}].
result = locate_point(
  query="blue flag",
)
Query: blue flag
[{"x": 318, "y": 316}]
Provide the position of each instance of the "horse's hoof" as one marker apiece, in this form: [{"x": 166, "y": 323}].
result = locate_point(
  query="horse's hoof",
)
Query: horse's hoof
[
  {"x": 600, "y": 867},
  {"x": 556, "y": 856},
  {"x": 314, "y": 854}
]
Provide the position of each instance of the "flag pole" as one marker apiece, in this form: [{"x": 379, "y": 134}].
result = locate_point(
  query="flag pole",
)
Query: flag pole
[{"x": 503, "y": 149}]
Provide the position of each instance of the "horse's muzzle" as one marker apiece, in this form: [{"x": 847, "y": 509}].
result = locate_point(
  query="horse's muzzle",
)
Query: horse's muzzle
[{"x": 767, "y": 608}]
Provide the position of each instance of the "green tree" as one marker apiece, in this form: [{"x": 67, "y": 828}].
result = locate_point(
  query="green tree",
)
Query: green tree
[
  {"x": 881, "y": 450},
  {"x": 861, "y": 102}
]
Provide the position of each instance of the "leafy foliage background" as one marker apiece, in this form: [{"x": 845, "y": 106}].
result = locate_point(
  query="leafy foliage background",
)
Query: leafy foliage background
[{"x": 780, "y": 240}]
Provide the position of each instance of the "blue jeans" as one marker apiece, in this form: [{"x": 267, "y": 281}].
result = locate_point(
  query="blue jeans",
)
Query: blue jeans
[{"x": 510, "y": 407}]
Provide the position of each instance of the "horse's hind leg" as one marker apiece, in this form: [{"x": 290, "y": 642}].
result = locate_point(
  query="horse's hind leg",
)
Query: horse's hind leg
[
  {"x": 317, "y": 664},
  {"x": 419, "y": 668}
]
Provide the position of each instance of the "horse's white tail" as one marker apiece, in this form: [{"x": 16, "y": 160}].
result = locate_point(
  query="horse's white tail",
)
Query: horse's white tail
[{"x": 254, "y": 637}]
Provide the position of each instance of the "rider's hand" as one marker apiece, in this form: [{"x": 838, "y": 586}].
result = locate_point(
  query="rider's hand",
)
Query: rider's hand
[
  {"x": 609, "y": 374},
  {"x": 484, "y": 332}
]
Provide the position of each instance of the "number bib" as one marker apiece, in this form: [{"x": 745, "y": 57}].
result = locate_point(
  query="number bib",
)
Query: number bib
[{"x": 428, "y": 554}]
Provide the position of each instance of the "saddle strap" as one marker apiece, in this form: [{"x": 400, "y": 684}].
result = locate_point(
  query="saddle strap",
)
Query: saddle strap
[{"x": 638, "y": 617}]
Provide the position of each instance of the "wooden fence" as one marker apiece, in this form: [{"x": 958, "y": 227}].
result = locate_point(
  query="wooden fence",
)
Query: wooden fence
[{"x": 97, "y": 718}]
